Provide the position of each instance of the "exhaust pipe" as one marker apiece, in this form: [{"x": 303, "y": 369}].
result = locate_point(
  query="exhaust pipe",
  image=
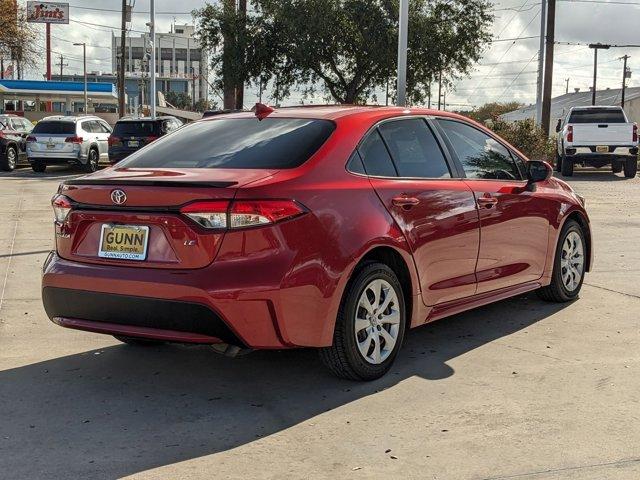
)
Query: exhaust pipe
[{"x": 230, "y": 350}]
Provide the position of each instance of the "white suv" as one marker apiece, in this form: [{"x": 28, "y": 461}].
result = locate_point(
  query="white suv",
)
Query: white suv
[{"x": 60, "y": 139}]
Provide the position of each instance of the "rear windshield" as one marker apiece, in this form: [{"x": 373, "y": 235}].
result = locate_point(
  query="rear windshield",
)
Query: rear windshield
[
  {"x": 55, "y": 128},
  {"x": 273, "y": 143},
  {"x": 134, "y": 129},
  {"x": 599, "y": 115}
]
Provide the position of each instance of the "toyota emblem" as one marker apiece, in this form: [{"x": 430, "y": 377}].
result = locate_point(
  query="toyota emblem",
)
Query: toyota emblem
[{"x": 118, "y": 197}]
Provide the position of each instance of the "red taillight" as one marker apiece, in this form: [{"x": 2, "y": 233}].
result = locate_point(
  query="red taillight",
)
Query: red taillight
[
  {"x": 74, "y": 139},
  {"x": 635, "y": 132},
  {"x": 569, "y": 133},
  {"x": 114, "y": 140},
  {"x": 31, "y": 138},
  {"x": 150, "y": 138},
  {"x": 220, "y": 214},
  {"x": 61, "y": 207},
  {"x": 247, "y": 213}
]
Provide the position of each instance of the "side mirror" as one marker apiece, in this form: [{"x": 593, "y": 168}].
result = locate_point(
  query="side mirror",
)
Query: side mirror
[
  {"x": 538, "y": 171},
  {"x": 558, "y": 126}
]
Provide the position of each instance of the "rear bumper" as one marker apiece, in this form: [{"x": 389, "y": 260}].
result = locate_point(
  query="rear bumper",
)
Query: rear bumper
[
  {"x": 137, "y": 316},
  {"x": 241, "y": 303},
  {"x": 117, "y": 154}
]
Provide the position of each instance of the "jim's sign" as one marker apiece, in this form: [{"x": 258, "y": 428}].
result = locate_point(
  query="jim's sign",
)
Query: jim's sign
[{"x": 47, "y": 12}]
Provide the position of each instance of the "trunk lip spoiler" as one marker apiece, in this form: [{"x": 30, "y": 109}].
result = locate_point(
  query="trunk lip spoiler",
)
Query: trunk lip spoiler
[{"x": 148, "y": 183}]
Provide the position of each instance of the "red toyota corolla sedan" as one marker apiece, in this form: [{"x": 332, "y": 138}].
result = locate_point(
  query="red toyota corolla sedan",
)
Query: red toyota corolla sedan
[{"x": 330, "y": 227}]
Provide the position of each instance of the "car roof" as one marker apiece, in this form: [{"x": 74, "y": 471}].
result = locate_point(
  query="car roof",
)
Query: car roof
[
  {"x": 597, "y": 107},
  {"x": 69, "y": 118},
  {"x": 336, "y": 112},
  {"x": 146, "y": 119}
]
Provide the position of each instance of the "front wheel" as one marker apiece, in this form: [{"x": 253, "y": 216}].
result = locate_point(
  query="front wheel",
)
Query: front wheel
[
  {"x": 568, "y": 267},
  {"x": 631, "y": 167},
  {"x": 558, "y": 164},
  {"x": 10, "y": 159},
  {"x": 369, "y": 327}
]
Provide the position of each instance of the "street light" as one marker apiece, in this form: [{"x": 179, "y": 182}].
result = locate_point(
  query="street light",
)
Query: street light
[
  {"x": 84, "y": 61},
  {"x": 402, "y": 53}
]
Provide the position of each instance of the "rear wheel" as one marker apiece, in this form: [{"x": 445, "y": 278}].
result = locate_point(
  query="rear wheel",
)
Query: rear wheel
[
  {"x": 137, "y": 341},
  {"x": 92, "y": 161},
  {"x": 566, "y": 167},
  {"x": 568, "y": 267},
  {"x": 8, "y": 163},
  {"x": 631, "y": 167},
  {"x": 370, "y": 325},
  {"x": 38, "y": 167},
  {"x": 616, "y": 166}
]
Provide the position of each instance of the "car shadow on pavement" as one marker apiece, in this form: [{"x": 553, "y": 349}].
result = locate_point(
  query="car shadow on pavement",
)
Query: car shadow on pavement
[{"x": 121, "y": 410}]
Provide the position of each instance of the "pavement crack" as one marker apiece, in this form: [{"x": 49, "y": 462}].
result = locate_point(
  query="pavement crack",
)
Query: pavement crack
[
  {"x": 617, "y": 463},
  {"x": 534, "y": 352},
  {"x": 11, "y": 248},
  {"x": 613, "y": 291}
]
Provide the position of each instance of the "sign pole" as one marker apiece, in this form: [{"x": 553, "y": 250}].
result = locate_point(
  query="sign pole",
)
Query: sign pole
[
  {"x": 152, "y": 86},
  {"x": 402, "y": 53},
  {"x": 48, "y": 33}
]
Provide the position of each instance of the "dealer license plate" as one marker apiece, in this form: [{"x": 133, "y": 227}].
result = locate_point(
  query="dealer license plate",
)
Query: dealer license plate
[{"x": 126, "y": 242}]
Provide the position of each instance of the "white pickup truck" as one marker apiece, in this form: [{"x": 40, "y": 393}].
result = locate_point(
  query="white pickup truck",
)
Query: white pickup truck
[{"x": 597, "y": 136}]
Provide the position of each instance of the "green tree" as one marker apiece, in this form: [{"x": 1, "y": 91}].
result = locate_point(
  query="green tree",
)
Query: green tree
[
  {"x": 526, "y": 137},
  {"x": 179, "y": 100},
  {"x": 347, "y": 47},
  {"x": 492, "y": 110}
]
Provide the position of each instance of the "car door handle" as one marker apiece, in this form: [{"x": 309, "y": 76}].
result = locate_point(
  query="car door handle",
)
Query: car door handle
[
  {"x": 487, "y": 202},
  {"x": 405, "y": 201}
]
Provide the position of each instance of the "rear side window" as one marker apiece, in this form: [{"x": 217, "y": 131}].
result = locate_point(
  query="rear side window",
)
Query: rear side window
[
  {"x": 273, "y": 143},
  {"x": 414, "y": 149},
  {"x": 481, "y": 156},
  {"x": 375, "y": 156},
  {"x": 134, "y": 129},
  {"x": 597, "y": 115},
  {"x": 55, "y": 128}
]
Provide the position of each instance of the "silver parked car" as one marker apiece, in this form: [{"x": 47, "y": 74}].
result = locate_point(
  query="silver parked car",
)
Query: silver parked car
[{"x": 61, "y": 139}]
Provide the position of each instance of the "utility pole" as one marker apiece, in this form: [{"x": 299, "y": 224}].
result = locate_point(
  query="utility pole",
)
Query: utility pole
[
  {"x": 596, "y": 47},
  {"x": 543, "y": 19},
  {"x": 625, "y": 75},
  {"x": 242, "y": 13},
  {"x": 439, "y": 89},
  {"x": 402, "y": 53},
  {"x": 62, "y": 64},
  {"x": 123, "y": 37},
  {"x": 566, "y": 81},
  {"x": 548, "y": 66},
  {"x": 84, "y": 62},
  {"x": 152, "y": 66}
]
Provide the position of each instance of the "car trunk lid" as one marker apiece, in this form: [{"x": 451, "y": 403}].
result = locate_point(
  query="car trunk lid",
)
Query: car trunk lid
[{"x": 146, "y": 204}]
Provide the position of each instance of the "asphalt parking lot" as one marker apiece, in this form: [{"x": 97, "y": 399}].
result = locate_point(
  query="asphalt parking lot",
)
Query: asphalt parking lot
[{"x": 521, "y": 389}]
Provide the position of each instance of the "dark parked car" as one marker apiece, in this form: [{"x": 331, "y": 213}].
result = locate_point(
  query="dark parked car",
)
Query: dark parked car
[
  {"x": 13, "y": 133},
  {"x": 131, "y": 134}
]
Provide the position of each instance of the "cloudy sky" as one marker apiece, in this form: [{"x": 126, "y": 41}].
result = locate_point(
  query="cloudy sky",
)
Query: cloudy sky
[{"x": 506, "y": 72}]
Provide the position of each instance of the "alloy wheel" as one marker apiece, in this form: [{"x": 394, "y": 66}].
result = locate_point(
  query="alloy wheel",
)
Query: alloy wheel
[
  {"x": 377, "y": 322},
  {"x": 11, "y": 158},
  {"x": 572, "y": 261}
]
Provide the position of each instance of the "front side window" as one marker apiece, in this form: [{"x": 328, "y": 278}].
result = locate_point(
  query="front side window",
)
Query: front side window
[
  {"x": 414, "y": 149},
  {"x": 272, "y": 143},
  {"x": 481, "y": 156}
]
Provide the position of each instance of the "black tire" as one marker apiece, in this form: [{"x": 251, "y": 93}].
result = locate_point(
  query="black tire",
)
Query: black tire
[
  {"x": 558, "y": 164},
  {"x": 137, "y": 341},
  {"x": 556, "y": 291},
  {"x": 616, "y": 166},
  {"x": 343, "y": 358},
  {"x": 631, "y": 167},
  {"x": 8, "y": 163},
  {"x": 93, "y": 158},
  {"x": 567, "y": 167},
  {"x": 38, "y": 167}
]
